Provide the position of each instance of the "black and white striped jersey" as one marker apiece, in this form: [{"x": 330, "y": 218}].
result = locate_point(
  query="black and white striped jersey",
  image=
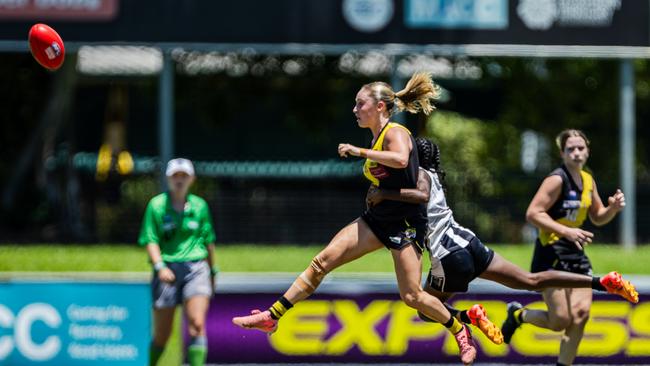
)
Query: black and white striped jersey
[{"x": 444, "y": 234}]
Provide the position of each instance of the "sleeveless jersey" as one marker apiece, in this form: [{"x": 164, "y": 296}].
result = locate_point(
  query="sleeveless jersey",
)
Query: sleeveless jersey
[
  {"x": 393, "y": 178},
  {"x": 572, "y": 207},
  {"x": 439, "y": 215},
  {"x": 444, "y": 234}
]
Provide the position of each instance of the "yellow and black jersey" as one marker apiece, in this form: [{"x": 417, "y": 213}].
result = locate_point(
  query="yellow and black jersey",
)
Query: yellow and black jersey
[
  {"x": 572, "y": 207},
  {"x": 393, "y": 178}
]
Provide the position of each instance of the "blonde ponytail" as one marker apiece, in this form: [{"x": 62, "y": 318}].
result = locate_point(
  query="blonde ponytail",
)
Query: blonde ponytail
[{"x": 417, "y": 95}]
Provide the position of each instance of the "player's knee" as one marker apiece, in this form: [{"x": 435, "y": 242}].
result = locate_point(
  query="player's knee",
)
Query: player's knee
[
  {"x": 195, "y": 326},
  {"x": 412, "y": 299},
  {"x": 580, "y": 315},
  {"x": 318, "y": 271},
  {"x": 559, "y": 322},
  {"x": 318, "y": 266},
  {"x": 311, "y": 278}
]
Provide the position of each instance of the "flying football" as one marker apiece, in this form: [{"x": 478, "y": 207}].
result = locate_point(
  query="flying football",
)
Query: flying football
[{"x": 46, "y": 46}]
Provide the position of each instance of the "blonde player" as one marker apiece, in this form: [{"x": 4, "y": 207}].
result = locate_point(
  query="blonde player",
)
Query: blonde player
[{"x": 391, "y": 162}]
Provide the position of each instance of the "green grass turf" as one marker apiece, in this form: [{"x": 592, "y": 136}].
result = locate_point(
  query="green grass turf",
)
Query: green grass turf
[{"x": 276, "y": 258}]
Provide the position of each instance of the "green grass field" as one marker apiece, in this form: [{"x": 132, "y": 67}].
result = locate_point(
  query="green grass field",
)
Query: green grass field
[
  {"x": 275, "y": 258},
  {"x": 260, "y": 258}
]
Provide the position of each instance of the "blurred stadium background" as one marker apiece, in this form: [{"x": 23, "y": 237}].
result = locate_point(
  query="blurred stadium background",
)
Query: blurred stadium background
[{"x": 258, "y": 95}]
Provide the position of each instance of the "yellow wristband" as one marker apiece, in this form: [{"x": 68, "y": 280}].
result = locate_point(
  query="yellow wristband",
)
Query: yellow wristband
[{"x": 363, "y": 153}]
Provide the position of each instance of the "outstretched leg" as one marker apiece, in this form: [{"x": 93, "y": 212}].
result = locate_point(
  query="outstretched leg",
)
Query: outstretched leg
[
  {"x": 556, "y": 286},
  {"x": 352, "y": 242},
  {"x": 502, "y": 271}
]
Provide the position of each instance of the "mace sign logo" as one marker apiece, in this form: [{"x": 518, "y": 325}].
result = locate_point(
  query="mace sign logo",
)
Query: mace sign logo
[{"x": 22, "y": 338}]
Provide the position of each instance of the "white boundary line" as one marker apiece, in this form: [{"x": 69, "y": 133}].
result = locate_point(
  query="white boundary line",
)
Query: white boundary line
[{"x": 273, "y": 282}]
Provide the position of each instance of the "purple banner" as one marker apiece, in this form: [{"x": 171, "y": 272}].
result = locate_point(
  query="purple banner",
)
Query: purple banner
[{"x": 378, "y": 327}]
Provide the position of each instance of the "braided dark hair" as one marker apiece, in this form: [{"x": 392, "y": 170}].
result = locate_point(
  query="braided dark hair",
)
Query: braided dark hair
[{"x": 429, "y": 156}]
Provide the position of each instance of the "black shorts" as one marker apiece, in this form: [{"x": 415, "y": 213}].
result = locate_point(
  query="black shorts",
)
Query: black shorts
[
  {"x": 397, "y": 234},
  {"x": 562, "y": 256},
  {"x": 456, "y": 270}
]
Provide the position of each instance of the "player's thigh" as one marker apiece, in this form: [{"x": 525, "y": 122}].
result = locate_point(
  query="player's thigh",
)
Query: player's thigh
[
  {"x": 557, "y": 302},
  {"x": 353, "y": 241},
  {"x": 196, "y": 308},
  {"x": 580, "y": 300},
  {"x": 408, "y": 268},
  {"x": 506, "y": 273}
]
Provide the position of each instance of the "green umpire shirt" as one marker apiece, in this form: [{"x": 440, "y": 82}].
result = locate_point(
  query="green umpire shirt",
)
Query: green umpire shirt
[{"x": 181, "y": 236}]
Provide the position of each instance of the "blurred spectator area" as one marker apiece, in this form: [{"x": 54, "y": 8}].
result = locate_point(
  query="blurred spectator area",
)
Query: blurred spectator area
[
  {"x": 289, "y": 202},
  {"x": 80, "y": 152}
]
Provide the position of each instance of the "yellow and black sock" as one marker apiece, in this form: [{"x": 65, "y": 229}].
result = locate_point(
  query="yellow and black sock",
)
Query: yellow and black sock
[
  {"x": 453, "y": 325},
  {"x": 519, "y": 315},
  {"x": 280, "y": 307},
  {"x": 459, "y": 314},
  {"x": 462, "y": 315}
]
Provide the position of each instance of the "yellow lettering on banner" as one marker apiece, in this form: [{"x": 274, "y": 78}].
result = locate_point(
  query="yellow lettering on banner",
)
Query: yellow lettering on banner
[
  {"x": 405, "y": 326},
  {"x": 358, "y": 327},
  {"x": 605, "y": 335},
  {"x": 303, "y": 329},
  {"x": 496, "y": 311},
  {"x": 530, "y": 340},
  {"x": 639, "y": 322}
]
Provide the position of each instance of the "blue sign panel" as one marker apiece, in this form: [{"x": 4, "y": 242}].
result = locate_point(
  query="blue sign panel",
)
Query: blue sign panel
[
  {"x": 74, "y": 324},
  {"x": 470, "y": 14}
]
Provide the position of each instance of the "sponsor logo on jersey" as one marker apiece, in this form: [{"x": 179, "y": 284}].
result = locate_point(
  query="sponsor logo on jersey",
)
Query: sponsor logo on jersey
[
  {"x": 410, "y": 233},
  {"x": 379, "y": 172}
]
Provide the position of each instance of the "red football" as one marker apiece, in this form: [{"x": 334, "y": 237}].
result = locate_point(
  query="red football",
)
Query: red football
[{"x": 46, "y": 46}]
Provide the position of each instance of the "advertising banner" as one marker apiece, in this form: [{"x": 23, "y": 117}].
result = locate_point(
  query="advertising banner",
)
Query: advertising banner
[
  {"x": 84, "y": 10},
  {"x": 377, "y": 327},
  {"x": 338, "y": 22},
  {"x": 74, "y": 324}
]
